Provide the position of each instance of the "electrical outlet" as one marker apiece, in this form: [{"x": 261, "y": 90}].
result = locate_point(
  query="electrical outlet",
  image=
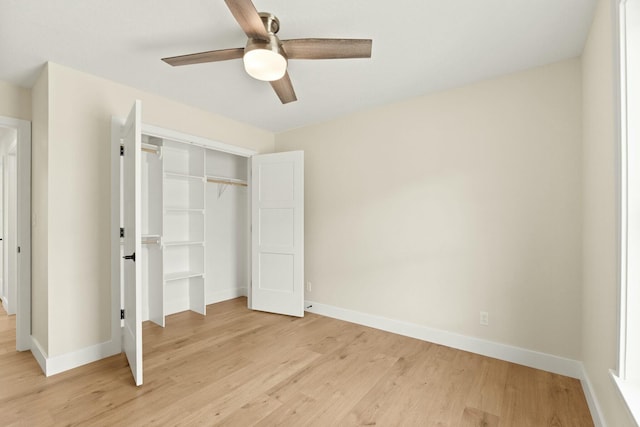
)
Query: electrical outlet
[
  {"x": 484, "y": 318},
  {"x": 308, "y": 286}
]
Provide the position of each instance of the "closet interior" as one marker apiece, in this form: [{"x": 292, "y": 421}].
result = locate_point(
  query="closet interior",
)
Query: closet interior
[{"x": 195, "y": 222}]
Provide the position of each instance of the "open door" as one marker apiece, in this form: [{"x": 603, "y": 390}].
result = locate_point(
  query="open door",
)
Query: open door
[
  {"x": 277, "y": 241},
  {"x": 132, "y": 142}
]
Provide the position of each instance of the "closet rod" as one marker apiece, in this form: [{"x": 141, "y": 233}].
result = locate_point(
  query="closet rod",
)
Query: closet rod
[
  {"x": 150, "y": 148},
  {"x": 150, "y": 240},
  {"x": 223, "y": 181}
]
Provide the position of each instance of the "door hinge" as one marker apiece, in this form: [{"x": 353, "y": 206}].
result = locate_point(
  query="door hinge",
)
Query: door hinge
[
  {"x": 18, "y": 249},
  {"x": 122, "y": 232},
  {"x": 122, "y": 150},
  {"x": 122, "y": 314}
]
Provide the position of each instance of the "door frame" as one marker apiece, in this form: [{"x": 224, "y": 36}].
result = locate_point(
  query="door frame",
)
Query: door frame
[
  {"x": 116, "y": 181},
  {"x": 23, "y": 162},
  {"x": 10, "y": 231}
]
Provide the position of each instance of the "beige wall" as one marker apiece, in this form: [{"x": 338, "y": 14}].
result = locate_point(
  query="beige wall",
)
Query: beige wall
[
  {"x": 433, "y": 209},
  {"x": 39, "y": 211},
  {"x": 81, "y": 107},
  {"x": 15, "y": 101},
  {"x": 600, "y": 286}
]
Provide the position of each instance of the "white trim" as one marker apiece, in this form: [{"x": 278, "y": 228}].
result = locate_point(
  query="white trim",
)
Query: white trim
[
  {"x": 39, "y": 354},
  {"x": 8, "y": 137},
  {"x": 12, "y": 149},
  {"x": 630, "y": 393},
  {"x": 629, "y": 390},
  {"x": 77, "y": 358},
  {"x": 226, "y": 295},
  {"x": 592, "y": 401},
  {"x": 177, "y": 136},
  {"x": 534, "y": 359},
  {"x": 619, "y": 50},
  {"x": 23, "y": 303},
  {"x": 116, "y": 323},
  {"x": 64, "y": 362},
  {"x": 627, "y": 375}
]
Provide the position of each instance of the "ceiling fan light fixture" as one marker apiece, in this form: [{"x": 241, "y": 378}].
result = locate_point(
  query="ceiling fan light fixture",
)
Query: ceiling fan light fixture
[
  {"x": 264, "y": 60},
  {"x": 265, "y": 56}
]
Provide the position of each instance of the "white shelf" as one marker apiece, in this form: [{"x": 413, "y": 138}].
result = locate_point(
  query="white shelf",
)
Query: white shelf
[
  {"x": 178, "y": 209},
  {"x": 169, "y": 277},
  {"x": 184, "y": 243}
]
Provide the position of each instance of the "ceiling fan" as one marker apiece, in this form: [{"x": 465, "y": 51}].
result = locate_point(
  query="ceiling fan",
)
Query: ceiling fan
[{"x": 265, "y": 55}]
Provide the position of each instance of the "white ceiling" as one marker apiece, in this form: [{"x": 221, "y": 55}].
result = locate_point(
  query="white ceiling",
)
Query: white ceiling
[{"x": 419, "y": 46}]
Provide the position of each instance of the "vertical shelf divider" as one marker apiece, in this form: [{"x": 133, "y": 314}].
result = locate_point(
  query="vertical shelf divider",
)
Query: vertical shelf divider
[{"x": 183, "y": 187}]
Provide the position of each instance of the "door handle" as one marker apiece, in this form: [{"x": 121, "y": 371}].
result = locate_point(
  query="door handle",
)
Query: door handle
[{"x": 131, "y": 257}]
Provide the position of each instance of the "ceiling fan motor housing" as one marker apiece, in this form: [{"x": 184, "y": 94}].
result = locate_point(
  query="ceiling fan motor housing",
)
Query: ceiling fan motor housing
[{"x": 270, "y": 21}]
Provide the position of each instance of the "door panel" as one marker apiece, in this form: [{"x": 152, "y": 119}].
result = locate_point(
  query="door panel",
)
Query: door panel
[
  {"x": 277, "y": 218},
  {"x": 132, "y": 141}
]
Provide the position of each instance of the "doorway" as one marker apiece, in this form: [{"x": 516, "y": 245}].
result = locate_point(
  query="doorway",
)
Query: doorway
[
  {"x": 8, "y": 217},
  {"x": 15, "y": 225}
]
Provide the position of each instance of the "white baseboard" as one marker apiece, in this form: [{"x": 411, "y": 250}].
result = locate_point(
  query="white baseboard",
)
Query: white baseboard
[
  {"x": 522, "y": 356},
  {"x": 225, "y": 295},
  {"x": 592, "y": 401},
  {"x": 8, "y": 307},
  {"x": 39, "y": 354},
  {"x": 64, "y": 362},
  {"x": 629, "y": 392}
]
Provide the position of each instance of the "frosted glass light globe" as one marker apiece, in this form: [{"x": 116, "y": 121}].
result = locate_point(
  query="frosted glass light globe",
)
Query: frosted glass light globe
[{"x": 263, "y": 60}]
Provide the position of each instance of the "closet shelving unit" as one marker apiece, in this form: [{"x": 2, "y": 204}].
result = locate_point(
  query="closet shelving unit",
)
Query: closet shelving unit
[
  {"x": 195, "y": 241},
  {"x": 183, "y": 234}
]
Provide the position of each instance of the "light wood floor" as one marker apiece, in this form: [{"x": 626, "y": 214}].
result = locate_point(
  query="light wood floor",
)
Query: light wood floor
[{"x": 240, "y": 368}]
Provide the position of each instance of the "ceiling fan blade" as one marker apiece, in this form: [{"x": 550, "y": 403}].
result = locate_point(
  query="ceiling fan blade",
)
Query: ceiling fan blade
[
  {"x": 327, "y": 48},
  {"x": 247, "y": 16},
  {"x": 209, "y": 56},
  {"x": 284, "y": 89}
]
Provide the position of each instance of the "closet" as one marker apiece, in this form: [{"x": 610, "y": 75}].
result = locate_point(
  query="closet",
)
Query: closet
[
  {"x": 194, "y": 227},
  {"x": 200, "y": 222}
]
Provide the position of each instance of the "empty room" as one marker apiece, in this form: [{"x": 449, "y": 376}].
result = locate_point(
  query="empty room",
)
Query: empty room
[{"x": 261, "y": 212}]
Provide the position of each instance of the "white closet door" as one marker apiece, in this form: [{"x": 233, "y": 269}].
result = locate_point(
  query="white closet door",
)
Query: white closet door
[
  {"x": 277, "y": 219},
  {"x": 132, "y": 140}
]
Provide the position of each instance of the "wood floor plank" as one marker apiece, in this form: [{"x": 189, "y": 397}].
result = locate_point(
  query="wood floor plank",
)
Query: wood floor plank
[
  {"x": 335, "y": 396},
  {"x": 487, "y": 390},
  {"x": 220, "y": 399},
  {"x": 472, "y": 417},
  {"x": 236, "y": 367},
  {"x": 433, "y": 391},
  {"x": 388, "y": 393},
  {"x": 251, "y": 413}
]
